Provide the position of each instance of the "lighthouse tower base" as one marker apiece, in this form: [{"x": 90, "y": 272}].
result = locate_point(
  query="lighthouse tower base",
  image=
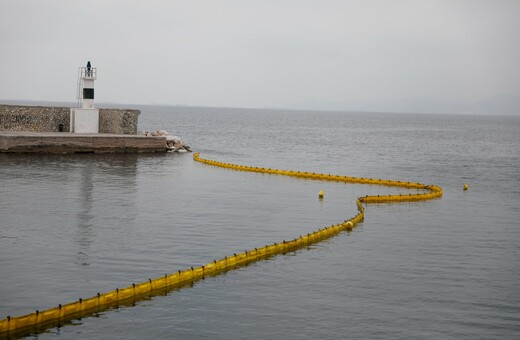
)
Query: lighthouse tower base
[{"x": 84, "y": 120}]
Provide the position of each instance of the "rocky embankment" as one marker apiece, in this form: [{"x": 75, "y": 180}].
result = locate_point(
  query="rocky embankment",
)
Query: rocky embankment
[{"x": 174, "y": 143}]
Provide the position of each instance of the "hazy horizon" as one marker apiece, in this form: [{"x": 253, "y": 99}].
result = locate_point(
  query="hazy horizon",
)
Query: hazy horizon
[{"x": 489, "y": 106}]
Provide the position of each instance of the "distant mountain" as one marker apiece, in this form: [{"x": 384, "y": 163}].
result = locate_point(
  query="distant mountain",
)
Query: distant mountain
[
  {"x": 404, "y": 105},
  {"x": 37, "y": 102},
  {"x": 502, "y": 104}
]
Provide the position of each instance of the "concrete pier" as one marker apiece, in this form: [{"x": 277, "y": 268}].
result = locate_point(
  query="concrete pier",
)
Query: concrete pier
[{"x": 66, "y": 142}]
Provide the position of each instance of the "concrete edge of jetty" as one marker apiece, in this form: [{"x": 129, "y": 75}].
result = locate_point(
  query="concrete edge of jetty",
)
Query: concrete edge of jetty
[{"x": 67, "y": 142}]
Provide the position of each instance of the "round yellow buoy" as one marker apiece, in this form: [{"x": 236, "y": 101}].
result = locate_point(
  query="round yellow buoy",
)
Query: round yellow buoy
[
  {"x": 349, "y": 225},
  {"x": 465, "y": 187},
  {"x": 320, "y": 194}
]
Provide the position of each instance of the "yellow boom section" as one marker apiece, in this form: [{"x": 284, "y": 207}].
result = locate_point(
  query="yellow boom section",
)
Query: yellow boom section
[{"x": 38, "y": 321}]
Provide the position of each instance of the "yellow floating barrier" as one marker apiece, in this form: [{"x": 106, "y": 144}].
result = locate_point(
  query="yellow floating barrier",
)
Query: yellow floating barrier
[{"x": 37, "y": 321}]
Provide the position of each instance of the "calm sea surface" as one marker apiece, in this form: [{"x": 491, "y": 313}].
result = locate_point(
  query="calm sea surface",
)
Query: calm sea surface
[{"x": 75, "y": 225}]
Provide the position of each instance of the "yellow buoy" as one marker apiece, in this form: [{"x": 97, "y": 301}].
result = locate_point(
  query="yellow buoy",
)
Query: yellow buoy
[
  {"x": 465, "y": 187},
  {"x": 320, "y": 194}
]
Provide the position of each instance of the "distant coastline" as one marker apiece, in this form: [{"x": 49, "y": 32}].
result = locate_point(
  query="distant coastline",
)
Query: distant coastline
[{"x": 502, "y": 104}]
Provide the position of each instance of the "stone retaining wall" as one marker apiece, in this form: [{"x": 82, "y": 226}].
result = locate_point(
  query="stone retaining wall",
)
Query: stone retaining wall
[
  {"x": 49, "y": 119},
  {"x": 34, "y": 118},
  {"x": 118, "y": 121}
]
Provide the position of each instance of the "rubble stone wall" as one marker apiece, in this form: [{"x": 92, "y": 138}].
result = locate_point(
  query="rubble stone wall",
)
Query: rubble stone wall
[
  {"x": 120, "y": 121},
  {"x": 34, "y": 118},
  {"x": 50, "y": 119}
]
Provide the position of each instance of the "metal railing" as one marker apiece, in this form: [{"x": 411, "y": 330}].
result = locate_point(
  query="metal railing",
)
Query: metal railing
[{"x": 88, "y": 72}]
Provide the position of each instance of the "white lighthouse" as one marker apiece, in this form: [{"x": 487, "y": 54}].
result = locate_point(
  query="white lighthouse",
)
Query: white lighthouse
[{"x": 85, "y": 119}]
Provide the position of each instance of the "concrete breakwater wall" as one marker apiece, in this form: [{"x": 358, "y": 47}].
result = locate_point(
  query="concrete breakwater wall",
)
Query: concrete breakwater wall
[{"x": 50, "y": 119}]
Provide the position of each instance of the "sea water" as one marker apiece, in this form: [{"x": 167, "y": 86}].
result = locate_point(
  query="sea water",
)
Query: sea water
[{"x": 75, "y": 225}]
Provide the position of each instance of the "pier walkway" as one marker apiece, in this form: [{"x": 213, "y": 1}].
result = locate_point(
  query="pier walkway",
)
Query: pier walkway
[{"x": 67, "y": 142}]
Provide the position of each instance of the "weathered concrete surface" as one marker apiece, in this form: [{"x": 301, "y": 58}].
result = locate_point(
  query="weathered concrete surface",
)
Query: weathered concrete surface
[{"x": 66, "y": 142}]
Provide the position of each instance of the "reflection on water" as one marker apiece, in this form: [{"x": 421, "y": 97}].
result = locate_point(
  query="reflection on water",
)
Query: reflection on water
[
  {"x": 444, "y": 269},
  {"x": 85, "y": 231},
  {"x": 94, "y": 172}
]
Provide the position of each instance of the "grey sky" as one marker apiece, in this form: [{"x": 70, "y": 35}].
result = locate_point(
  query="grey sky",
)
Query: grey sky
[{"x": 260, "y": 53}]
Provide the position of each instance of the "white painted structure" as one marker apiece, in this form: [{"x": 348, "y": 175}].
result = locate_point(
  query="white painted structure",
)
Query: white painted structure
[{"x": 85, "y": 119}]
